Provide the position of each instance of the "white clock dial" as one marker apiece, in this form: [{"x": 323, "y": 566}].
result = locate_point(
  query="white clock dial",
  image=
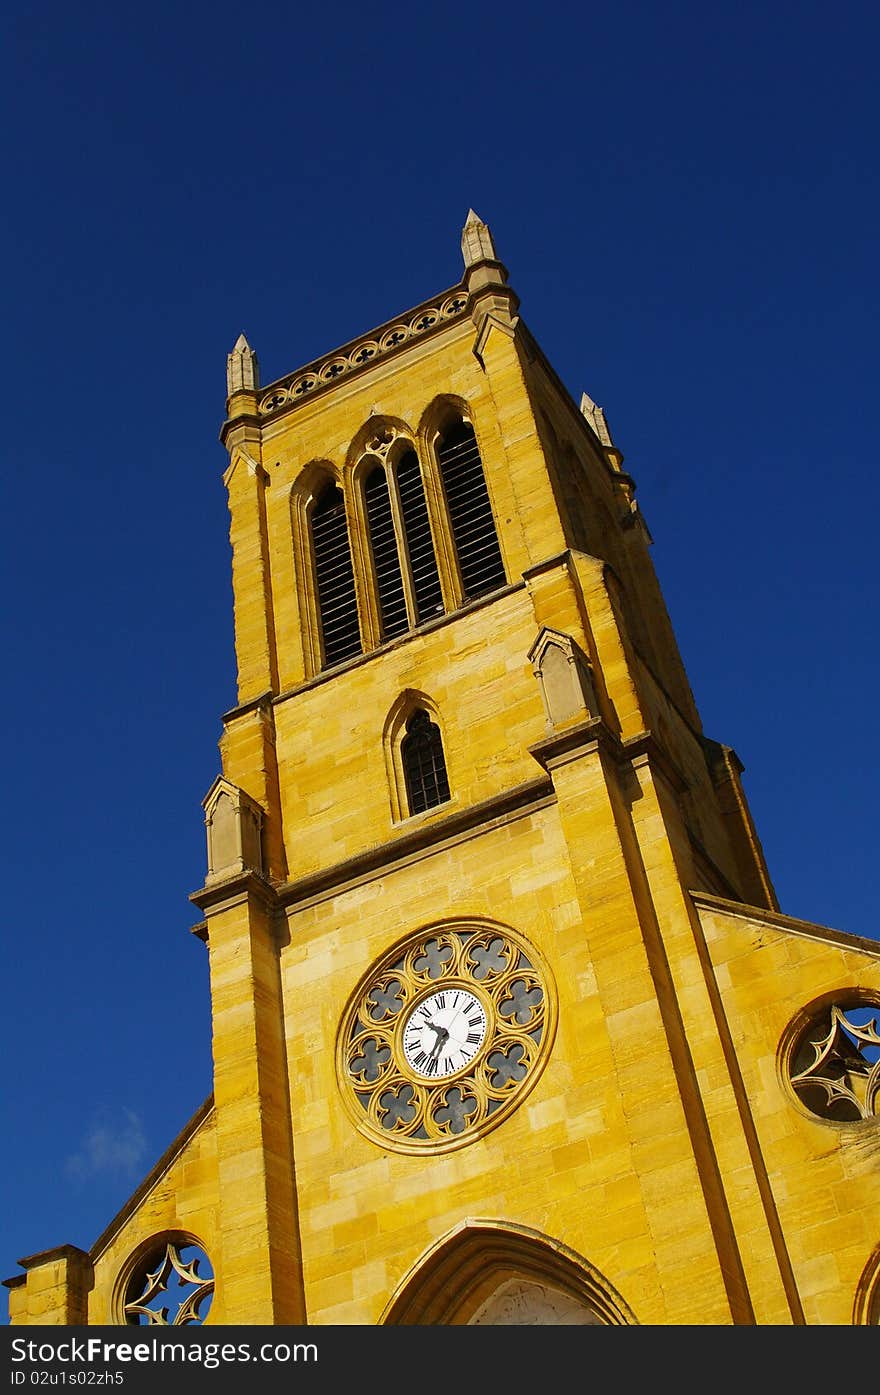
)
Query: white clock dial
[{"x": 444, "y": 1033}]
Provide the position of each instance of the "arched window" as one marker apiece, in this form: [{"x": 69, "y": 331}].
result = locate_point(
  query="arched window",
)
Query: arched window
[
  {"x": 424, "y": 768},
  {"x": 389, "y": 581},
  {"x": 419, "y": 544},
  {"x": 337, "y": 604},
  {"x": 470, "y": 512},
  {"x": 405, "y": 573}
]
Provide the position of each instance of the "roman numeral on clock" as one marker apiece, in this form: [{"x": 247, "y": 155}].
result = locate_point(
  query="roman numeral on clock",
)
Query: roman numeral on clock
[{"x": 473, "y": 1038}]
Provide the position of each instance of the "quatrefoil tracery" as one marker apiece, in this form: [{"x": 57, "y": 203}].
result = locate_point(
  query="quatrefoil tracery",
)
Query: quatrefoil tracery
[
  {"x": 171, "y": 1272},
  {"x": 834, "y": 1061},
  {"x": 328, "y": 370},
  {"x": 394, "y": 1105},
  {"x": 381, "y": 443}
]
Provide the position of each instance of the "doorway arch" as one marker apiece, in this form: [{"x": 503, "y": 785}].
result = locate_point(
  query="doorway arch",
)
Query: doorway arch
[{"x": 493, "y": 1273}]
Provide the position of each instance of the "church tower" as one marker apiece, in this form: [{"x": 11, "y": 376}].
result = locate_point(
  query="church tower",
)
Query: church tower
[{"x": 508, "y": 1026}]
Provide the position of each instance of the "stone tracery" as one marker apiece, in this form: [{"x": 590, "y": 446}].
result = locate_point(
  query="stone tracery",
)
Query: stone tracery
[{"x": 396, "y": 1107}]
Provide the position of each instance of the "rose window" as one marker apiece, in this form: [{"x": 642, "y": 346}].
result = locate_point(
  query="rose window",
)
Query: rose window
[
  {"x": 171, "y": 1286},
  {"x": 832, "y": 1059},
  {"x": 444, "y": 1036}
]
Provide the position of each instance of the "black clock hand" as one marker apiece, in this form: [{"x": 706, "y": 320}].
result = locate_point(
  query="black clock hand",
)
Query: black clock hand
[{"x": 442, "y": 1038}]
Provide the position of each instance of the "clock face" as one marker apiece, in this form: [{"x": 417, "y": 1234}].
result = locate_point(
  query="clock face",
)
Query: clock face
[
  {"x": 444, "y": 1032},
  {"x": 444, "y": 1036}
]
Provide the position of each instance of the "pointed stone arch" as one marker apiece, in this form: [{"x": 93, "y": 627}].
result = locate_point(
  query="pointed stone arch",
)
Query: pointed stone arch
[
  {"x": 491, "y": 1272},
  {"x": 407, "y": 703},
  {"x": 381, "y": 435},
  {"x": 405, "y": 573},
  {"x": 441, "y": 412}
]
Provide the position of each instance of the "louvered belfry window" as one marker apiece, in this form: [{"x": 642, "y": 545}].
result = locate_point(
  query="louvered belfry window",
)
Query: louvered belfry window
[
  {"x": 337, "y": 603},
  {"x": 419, "y": 544},
  {"x": 389, "y": 582},
  {"x": 424, "y": 768},
  {"x": 470, "y": 512}
]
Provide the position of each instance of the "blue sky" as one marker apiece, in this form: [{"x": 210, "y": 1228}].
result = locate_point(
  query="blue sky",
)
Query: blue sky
[{"x": 686, "y": 197}]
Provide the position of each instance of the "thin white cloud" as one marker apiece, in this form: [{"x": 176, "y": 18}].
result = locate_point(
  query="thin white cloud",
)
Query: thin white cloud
[{"x": 115, "y": 1146}]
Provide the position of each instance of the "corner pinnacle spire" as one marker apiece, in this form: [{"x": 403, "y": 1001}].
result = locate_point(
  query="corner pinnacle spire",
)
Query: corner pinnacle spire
[
  {"x": 476, "y": 241},
  {"x": 596, "y": 417},
  {"x": 242, "y": 368}
]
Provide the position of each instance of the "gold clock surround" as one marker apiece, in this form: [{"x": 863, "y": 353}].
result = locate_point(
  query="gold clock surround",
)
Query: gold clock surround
[{"x": 398, "y": 1107}]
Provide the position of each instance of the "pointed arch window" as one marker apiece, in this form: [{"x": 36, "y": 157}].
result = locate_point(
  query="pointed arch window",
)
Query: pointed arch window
[
  {"x": 389, "y": 579},
  {"x": 427, "y": 596},
  {"x": 424, "y": 767},
  {"x": 337, "y": 603},
  {"x": 470, "y": 511},
  {"x": 405, "y": 574}
]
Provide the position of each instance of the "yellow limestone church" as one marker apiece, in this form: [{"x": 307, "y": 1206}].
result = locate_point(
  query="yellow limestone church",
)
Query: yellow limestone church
[{"x": 508, "y": 1027}]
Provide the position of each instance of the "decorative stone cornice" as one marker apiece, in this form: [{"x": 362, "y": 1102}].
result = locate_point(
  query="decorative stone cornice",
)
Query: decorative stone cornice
[
  {"x": 415, "y": 842},
  {"x": 242, "y": 420},
  {"x": 548, "y": 564},
  {"x": 776, "y": 920},
  {"x": 359, "y": 354},
  {"x": 573, "y": 742},
  {"x": 594, "y": 735},
  {"x": 237, "y": 888},
  {"x": 49, "y": 1256},
  {"x": 262, "y": 702},
  {"x": 645, "y": 748}
]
